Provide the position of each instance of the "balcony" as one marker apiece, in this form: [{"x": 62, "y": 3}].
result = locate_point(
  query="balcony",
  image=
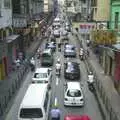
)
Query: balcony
[{"x": 19, "y": 21}]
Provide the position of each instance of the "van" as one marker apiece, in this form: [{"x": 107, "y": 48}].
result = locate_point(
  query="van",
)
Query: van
[
  {"x": 36, "y": 103},
  {"x": 47, "y": 58}
]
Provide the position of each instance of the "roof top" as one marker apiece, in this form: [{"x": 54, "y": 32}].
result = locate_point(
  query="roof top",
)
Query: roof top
[
  {"x": 74, "y": 85},
  {"x": 34, "y": 96},
  {"x": 41, "y": 70}
]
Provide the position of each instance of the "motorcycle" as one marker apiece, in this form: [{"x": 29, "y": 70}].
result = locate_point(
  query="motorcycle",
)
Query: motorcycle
[
  {"x": 32, "y": 67},
  {"x": 58, "y": 72},
  {"x": 91, "y": 86},
  {"x": 81, "y": 57}
]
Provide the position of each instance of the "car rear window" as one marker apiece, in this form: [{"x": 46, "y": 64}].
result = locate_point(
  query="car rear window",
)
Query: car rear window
[
  {"x": 74, "y": 93},
  {"x": 40, "y": 75},
  {"x": 31, "y": 113}
]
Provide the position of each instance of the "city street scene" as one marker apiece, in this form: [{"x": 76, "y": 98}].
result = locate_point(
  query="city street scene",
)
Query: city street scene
[{"x": 59, "y": 59}]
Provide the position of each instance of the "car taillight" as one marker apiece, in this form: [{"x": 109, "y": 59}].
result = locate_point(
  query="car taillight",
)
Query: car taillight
[{"x": 66, "y": 99}]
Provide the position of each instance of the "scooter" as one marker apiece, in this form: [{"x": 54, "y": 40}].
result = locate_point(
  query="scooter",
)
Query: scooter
[
  {"x": 81, "y": 57},
  {"x": 58, "y": 72},
  {"x": 91, "y": 86},
  {"x": 32, "y": 67}
]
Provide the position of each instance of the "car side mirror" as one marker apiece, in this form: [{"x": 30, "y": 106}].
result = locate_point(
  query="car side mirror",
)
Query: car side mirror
[{"x": 50, "y": 69}]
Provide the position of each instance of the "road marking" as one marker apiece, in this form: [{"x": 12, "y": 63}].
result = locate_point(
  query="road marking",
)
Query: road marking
[
  {"x": 56, "y": 101},
  {"x": 57, "y": 81}
]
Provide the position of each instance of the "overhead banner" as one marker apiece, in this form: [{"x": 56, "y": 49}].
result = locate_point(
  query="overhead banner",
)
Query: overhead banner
[{"x": 84, "y": 28}]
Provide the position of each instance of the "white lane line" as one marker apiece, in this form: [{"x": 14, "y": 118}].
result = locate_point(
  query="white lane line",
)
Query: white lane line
[
  {"x": 56, "y": 101},
  {"x": 57, "y": 81}
]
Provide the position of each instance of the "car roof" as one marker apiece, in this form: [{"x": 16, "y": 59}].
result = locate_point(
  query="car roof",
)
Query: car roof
[
  {"x": 41, "y": 70},
  {"x": 47, "y": 51},
  {"x": 73, "y": 63},
  {"x": 73, "y": 85},
  {"x": 68, "y": 45},
  {"x": 34, "y": 96}
]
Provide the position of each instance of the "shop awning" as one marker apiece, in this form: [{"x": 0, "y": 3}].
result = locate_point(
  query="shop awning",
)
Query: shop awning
[
  {"x": 11, "y": 38},
  {"x": 116, "y": 46}
]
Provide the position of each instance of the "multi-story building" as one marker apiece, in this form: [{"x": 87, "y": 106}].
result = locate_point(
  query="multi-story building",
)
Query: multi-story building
[
  {"x": 48, "y": 8},
  {"x": 20, "y": 21},
  {"x": 5, "y": 35},
  {"x": 100, "y": 10},
  {"x": 79, "y": 9}
]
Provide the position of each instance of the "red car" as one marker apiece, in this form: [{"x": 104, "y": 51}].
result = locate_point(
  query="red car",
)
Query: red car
[{"x": 76, "y": 117}]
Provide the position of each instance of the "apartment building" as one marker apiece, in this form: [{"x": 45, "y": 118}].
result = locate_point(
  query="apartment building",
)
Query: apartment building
[
  {"x": 5, "y": 32},
  {"x": 100, "y": 10},
  {"x": 79, "y": 9}
]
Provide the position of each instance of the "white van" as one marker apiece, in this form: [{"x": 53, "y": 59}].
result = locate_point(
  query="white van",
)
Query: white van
[{"x": 35, "y": 104}]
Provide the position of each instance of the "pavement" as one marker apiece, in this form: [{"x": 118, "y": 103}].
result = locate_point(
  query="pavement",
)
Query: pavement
[
  {"x": 107, "y": 95},
  {"x": 11, "y": 83}
]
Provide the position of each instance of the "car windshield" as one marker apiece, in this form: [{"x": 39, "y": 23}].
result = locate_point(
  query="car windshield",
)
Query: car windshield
[
  {"x": 70, "y": 47},
  {"x": 39, "y": 81},
  {"x": 73, "y": 93},
  {"x": 31, "y": 113},
  {"x": 40, "y": 75}
]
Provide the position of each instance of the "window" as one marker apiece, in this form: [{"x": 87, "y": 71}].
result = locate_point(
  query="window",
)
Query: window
[
  {"x": 116, "y": 19},
  {"x": 0, "y": 8},
  {"x": 40, "y": 75},
  {"x": 31, "y": 113},
  {"x": 84, "y": 1},
  {"x": 7, "y": 3},
  {"x": 74, "y": 93},
  {"x": 46, "y": 101},
  {"x": 94, "y": 3}
]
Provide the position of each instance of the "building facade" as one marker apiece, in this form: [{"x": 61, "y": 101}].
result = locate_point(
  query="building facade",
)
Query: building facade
[
  {"x": 115, "y": 17},
  {"x": 100, "y": 10},
  {"x": 5, "y": 31},
  {"x": 20, "y": 23}
]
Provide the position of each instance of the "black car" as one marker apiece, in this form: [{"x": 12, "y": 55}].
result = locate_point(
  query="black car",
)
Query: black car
[{"x": 71, "y": 71}]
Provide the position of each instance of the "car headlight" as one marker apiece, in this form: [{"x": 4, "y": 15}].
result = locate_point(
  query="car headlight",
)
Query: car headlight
[{"x": 66, "y": 99}]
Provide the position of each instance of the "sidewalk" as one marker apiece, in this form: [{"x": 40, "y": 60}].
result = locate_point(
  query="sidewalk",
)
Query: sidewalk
[
  {"x": 11, "y": 84},
  {"x": 107, "y": 95}
]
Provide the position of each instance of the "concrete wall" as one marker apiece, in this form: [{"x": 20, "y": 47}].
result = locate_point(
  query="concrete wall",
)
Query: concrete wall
[
  {"x": 6, "y": 16},
  {"x": 103, "y": 10}
]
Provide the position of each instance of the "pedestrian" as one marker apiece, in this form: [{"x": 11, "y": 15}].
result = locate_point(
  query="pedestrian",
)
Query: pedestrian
[{"x": 17, "y": 62}]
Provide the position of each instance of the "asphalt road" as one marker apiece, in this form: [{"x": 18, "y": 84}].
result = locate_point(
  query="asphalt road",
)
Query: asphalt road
[{"x": 90, "y": 108}]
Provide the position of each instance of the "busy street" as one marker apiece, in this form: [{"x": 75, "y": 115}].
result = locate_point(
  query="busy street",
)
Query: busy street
[{"x": 58, "y": 83}]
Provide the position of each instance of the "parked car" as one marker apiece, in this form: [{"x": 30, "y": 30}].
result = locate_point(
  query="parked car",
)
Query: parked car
[
  {"x": 71, "y": 71},
  {"x": 77, "y": 117},
  {"x": 73, "y": 95},
  {"x": 42, "y": 75},
  {"x": 69, "y": 51}
]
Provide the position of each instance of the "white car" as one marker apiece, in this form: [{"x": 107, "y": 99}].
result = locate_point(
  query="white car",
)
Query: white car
[
  {"x": 42, "y": 75},
  {"x": 73, "y": 95}
]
